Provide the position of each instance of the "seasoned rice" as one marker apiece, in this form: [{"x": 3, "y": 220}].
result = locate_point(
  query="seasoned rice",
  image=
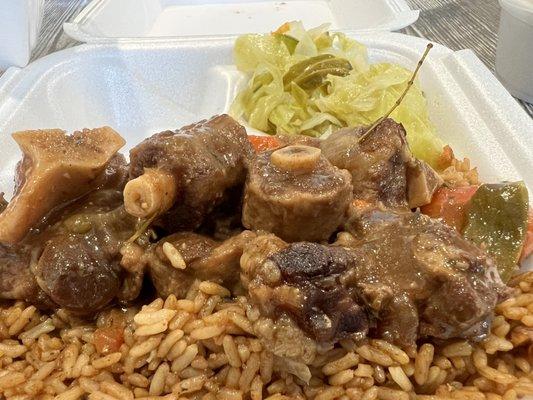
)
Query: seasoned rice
[
  {"x": 203, "y": 347},
  {"x": 456, "y": 172}
]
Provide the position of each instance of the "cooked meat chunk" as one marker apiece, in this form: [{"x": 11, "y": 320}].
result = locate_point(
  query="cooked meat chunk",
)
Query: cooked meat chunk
[
  {"x": 114, "y": 176},
  {"x": 76, "y": 275},
  {"x": 178, "y": 260},
  {"x": 254, "y": 256},
  {"x": 225, "y": 220},
  {"x": 302, "y": 280},
  {"x": 401, "y": 276},
  {"x": 182, "y": 175},
  {"x": 184, "y": 248},
  {"x": 74, "y": 252},
  {"x": 329, "y": 310},
  {"x": 76, "y": 261},
  {"x": 377, "y": 164},
  {"x": 422, "y": 182},
  {"x": 295, "y": 193},
  {"x": 17, "y": 281},
  {"x": 56, "y": 168},
  {"x": 397, "y": 318},
  {"x": 79, "y": 267},
  {"x": 288, "y": 140},
  {"x": 414, "y": 265}
]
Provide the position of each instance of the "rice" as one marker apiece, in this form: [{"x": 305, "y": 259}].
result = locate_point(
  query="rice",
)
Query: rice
[
  {"x": 423, "y": 360},
  {"x": 183, "y": 361},
  {"x": 207, "y": 332},
  {"x": 398, "y": 375},
  {"x": 177, "y": 350},
  {"x": 203, "y": 347},
  {"x": 230, "y": 349},
  {"x": 145, "y": 347},
  {"x": 106, "y": 361},
  {"x": 157, "y": 386},
  {"x": 174, "y": 256},
  {"x": 168, "y": 342},
  {"x": 116, "y": 390},
  {"x": 374, "y": 355},
  {"x": 21, "y": 321},
  {"x": 347, "y": 361},
  {"x": 458, "y": 172},
  {"x": 213, "y": 288}
]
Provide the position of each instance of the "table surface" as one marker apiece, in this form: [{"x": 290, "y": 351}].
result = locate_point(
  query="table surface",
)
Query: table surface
[{"x": 457, "y": 24}]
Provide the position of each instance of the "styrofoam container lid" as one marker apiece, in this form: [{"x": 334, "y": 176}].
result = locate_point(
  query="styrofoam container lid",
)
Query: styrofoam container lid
[{"x": 112, "y": 20}]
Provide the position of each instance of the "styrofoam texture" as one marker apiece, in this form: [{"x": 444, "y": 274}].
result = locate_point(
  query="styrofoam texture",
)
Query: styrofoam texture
[
  {"x": 21, "y": 22},
  {"x": 109, "y": 20}
]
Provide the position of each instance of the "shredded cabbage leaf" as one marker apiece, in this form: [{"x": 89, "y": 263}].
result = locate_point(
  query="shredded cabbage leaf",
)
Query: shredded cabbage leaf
[{"x": 358, "y": 98}]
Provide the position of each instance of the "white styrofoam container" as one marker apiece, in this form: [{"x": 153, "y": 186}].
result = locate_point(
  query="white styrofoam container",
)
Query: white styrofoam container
[
  {"x": 109, "y": 20},
  {"x": 140, "y": 88},
  {"x": 19, "y": 30}
]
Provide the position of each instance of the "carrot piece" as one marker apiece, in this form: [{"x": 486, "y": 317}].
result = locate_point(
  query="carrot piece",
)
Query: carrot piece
[
  {"x": 450, "y": 205},
  {"x": 262, "y": 143}
]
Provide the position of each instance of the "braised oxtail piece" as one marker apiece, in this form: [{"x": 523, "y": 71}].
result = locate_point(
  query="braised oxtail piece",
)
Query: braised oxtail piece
[
  {"x": 303, "y": 281},
  {"x": 422, "y": 183},
  {"x": 79, "y": 267},
  {"x": 17, "y": 281},
  {"x": 377, "y": 165},
  {"x": 71, "y": 258},
  {"x": 175, "y": 262},
  {"x": 399, "y": 275},
  {"x": 421, "y": 278},
  {"x": 56, "y": 168},
  {"x": 295, "y": 193},
  {"x": 382, "y": 167},
  {"x": 184, "y": 174}
]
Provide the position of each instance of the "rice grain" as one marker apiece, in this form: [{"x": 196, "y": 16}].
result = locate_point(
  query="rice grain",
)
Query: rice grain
[
  {"x": 207, "y": 332},
  {"x": 249, "y": 372},
  {"x": 106, "y": 361},
  {"x": 185, "y": 359},
  {"x": 145, "y": 347},
  {"x": 399, "y": 376},
  {"x": 71, "y": 394},
  {"x": 158, "y": 381},
  {"x": 11, "y": 379},
  {"x": 101, "y": 396},
  {"x": 116, "y": 390},
  {"x": 345, "y": 362},
  {"x": 423, "y": 361},
  {"x": 21, "y": 321},
  {"x": 213, "y": 288}
]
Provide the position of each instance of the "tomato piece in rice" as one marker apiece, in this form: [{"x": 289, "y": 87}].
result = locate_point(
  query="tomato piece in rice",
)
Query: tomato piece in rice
[{"x": 108, "y": 340}]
